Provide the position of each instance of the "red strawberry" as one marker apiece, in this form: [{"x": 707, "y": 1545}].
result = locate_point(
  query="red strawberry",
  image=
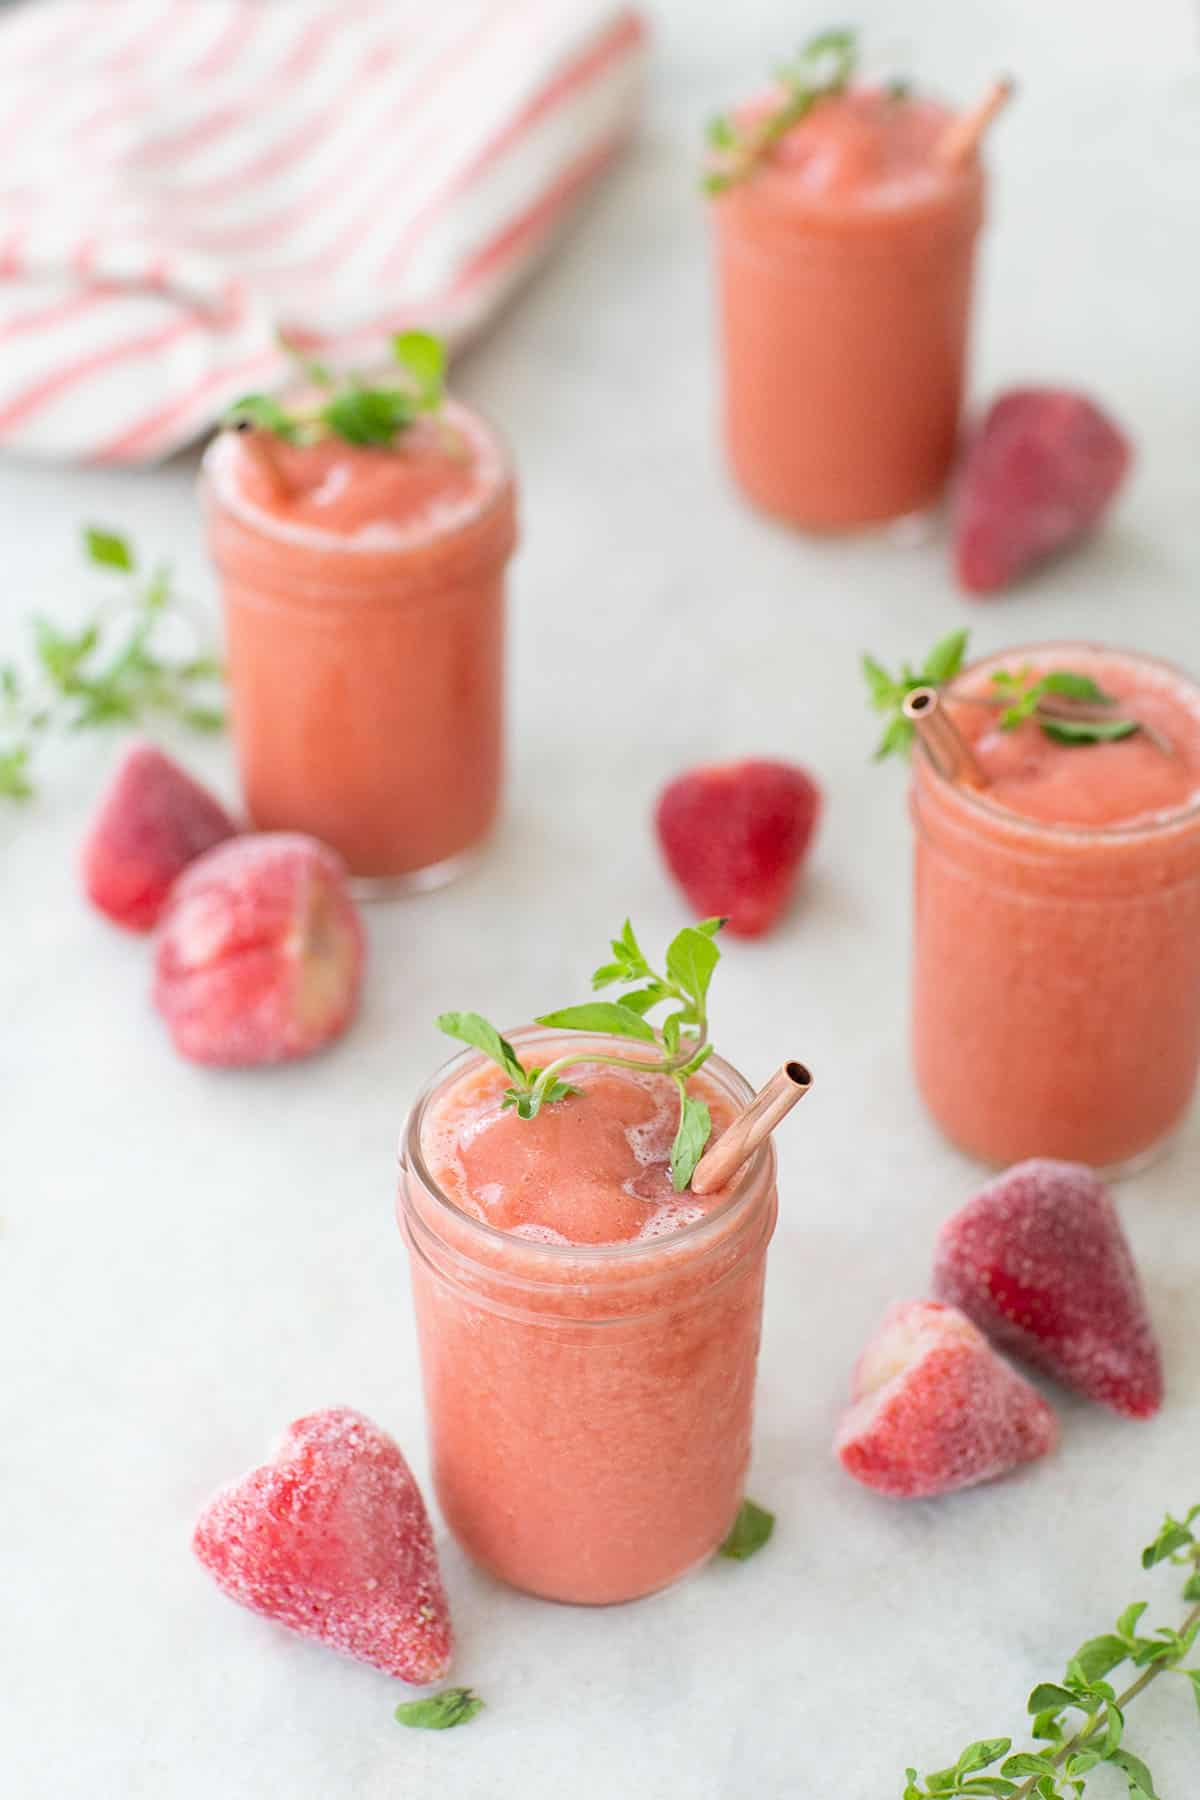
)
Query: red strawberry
[
  {"x": 1039, "y": 473},
  {"x": 261, "y": 952},
  {"x": 735, "y": 836},
  {"x": 331, "y": 1538},
  {"x": 153, "y": 820},
  {"x": 936, "y": 1409},
  {"x": 1039, "y": 1261}
]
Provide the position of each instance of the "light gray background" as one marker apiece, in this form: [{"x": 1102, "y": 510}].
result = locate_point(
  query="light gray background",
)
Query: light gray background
[{"x": 188, "y": 1260}]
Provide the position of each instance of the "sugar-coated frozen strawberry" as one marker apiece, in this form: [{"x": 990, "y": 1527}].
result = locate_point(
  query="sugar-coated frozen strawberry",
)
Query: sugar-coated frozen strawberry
[
  {"x": 331, "y": 1538},
  {"x": 935, "y": 1409},
  {"x": 735, "y": 837},
  {"x": 1038, "y": 475},
  {"x": 1039, "y": 1260},
  {"x": 153, "y": 820},
  {"x": 261, "y": 952}
]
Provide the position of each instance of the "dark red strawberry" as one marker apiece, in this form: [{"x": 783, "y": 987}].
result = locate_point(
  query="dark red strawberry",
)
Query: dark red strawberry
[
  {"x": 152, "y": 822},
  {"x": 735, "y": 837},
  {"x": 1039, "y": 474},
  {"x": 1039, "y": 1260},
  {"x": 331, "y": 1539},
  {"x": 936, "y": 1409}
]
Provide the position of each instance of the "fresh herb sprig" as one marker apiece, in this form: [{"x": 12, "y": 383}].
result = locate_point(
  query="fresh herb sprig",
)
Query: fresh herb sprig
[
  {"x": 824, "y": 66},
  {"x": 440, "y": 1712},
  {"x": 116, "y": 668},
  {"x": 681, "y": 1040},
  {"x": 1068, "y": 707},
  {"x": 350, "y": 407},
  {"x": 1078, "y": 1723}
]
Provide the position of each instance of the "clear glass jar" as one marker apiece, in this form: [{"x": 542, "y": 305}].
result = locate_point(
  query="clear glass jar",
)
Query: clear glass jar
[
  {"x": 1056, "y": 969},
  {"x": 589, "y": 1407},
  {"x": 367, "y": 681}
]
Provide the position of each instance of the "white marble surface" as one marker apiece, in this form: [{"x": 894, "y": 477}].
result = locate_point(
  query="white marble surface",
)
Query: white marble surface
[{"x": 189, "y": 1259}]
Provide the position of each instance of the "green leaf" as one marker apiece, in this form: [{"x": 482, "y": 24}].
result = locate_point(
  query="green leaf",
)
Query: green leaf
[
  {"x": 695, "y": 1128},
  {"x": 608, "y": 973},
  {"x": 698, "y": 1061},
  {"x": 369, "y": 416},
  {"x": 1027, "y": 1764},
  {"x": 896, "y": 740},
  {"x": 720, "y": 134},
  {"x": 1098, "y": 1656},
  {"x": 1127, "y": 1624},
  {"x": 691, "y": 958},
  {"x": 992, "y": 1785},
  {"x": 453, "y": 1706},
  {"x": 264, "y": 413},
  {"x": 1114, "y": 1728},
  {"x": 945, "y": 659},
  {"x": 1046, "y": 1726},
  {"x": 1075, "y": 687},
  {"x": 750, "y": 1531},
  {"x": 710, "y": 927},
  {"x": 601, "y": 1015},
  {"x": 1088, "y": 731},
  {"x": 982, "y": 1754},
  {"x": 1141, "y": 1782},
  {"x": 1083, "y": 1762},
  {"x": 640, "y": 1000},
  {"x": 470, "y": 1028},
  {"x": 1193, "y": 1676},
  {"x": 1173, "y": 1535},
  {"x": 671, "y": 1028},
  {"x": 885, "y": 693},
  {"x": 108, "y": 548},
  {"x": 1191, "y": 1589},
  {"x": 424, "y": 358},
  {"x": 1050, "y": 1696},
  {"x": 203, "y": 718},
  {"x": 14, "y": 778}
]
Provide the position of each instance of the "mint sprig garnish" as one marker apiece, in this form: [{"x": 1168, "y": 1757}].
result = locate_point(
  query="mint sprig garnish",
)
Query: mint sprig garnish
[
  {"x": 440, "y": 1712},
  {"x": 822, "y": 67},
  {"x": 681, "y": 1039},
  {"x": 1078, "y": 1722},
  {"x": 121, "y": 666},
  {"x": 1067, "y": 706},
  {"x": 360, "y": 412}
]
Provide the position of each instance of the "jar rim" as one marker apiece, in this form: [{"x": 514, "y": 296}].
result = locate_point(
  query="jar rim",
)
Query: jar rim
[
  {"x": 757, "y": 1172},
  {"x": 973, "y": 800}
]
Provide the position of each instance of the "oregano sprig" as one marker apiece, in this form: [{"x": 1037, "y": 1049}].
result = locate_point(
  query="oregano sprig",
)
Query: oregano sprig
[
  {"x": 823, "y": 66},
  {"x": 1078, "y": 1722},
  {"x": 681, "y": 1040},
  {"x": 119, "y": 667},
  {"x": 361, "y": 412},
  {"x": 1069, "y": 707}
]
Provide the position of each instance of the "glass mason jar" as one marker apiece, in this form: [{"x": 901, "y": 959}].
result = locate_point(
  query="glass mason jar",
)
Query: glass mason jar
[
  {"x": 844, "y": 338},
  {"x": 589, "y": 1406},
  {"x": 367, "y": 680},
  {"x": 1056, "y": 972}
]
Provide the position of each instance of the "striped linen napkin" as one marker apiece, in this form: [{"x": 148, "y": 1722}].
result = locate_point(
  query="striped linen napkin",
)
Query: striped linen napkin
[{"x": 182, "y": 179}]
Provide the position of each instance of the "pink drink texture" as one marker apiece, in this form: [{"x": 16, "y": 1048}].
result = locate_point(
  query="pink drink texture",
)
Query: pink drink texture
[
  {"x": 844, "y": 262},
  {"x": 588, "y": 1337},
  {"x": 1056, "y": 984},
  {"x": 364, "y": 611}
]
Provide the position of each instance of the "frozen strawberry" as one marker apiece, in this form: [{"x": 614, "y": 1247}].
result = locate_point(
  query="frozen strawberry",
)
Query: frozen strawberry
[
  {"x": 152, "y": 822},
  {"x": 1039, "y": 1260},
  {"x": 331, "y": 1538},
  {"x": 261, "y": 952},
  {"x": 735, "y": 837},
  {"x": 1038, "y": 475},
  {"x": 936, "y": 1409}
]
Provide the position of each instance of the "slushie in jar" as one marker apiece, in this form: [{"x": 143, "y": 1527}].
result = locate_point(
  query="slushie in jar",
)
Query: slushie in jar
[
  {"x": 588, "y": 1335},
  {"x": 1056, "y": 984},
  {"x": 364, "y": 605},
  {"x": 844, "y": 257}
]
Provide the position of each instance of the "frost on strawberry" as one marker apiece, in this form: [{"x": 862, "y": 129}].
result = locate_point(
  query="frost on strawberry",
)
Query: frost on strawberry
[
  {"x": 1038, "y": 1259},
  {"x": 935, "y": 1409},
  {"x": 331, "y": 1539}
]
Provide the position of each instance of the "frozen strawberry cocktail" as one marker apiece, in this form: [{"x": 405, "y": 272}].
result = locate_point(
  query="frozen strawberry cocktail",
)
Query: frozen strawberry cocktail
[
  {"x": 364, "y": 605},
  {"x": 588, "y": 1334},
  {"x": 1056, "y": 982},
  {"x": 844, "y": 245}
]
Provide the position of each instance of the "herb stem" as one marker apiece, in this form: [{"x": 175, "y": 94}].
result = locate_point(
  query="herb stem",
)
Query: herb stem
[{"x": 668, "y": 1065}]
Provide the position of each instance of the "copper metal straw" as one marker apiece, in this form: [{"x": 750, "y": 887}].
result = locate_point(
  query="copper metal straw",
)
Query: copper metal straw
[
  {"x": 261, "y": 451},
  {"x": 751, "y": 1128},
  {"x": 941, "y": 740},
  {"x": 962, "y": 137}
]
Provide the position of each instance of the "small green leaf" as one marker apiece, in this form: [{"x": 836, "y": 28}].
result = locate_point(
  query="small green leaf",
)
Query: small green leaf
[
  {"x": 1088, "y": 731},
  {"x": 369, "y": 416},
  {"x": 1050, "y": 1696},
  {"x": 691, "y": 958},
  {"x": 750, "y": 1531},
  {"x": 1047, "y": 1727},
  {"x": 1083, "y": 1762},
  {"x": 14, "y": 777},
  {"x": 1075, "y": 687},
  {"x": 264, "y": 413},
  {"x": 1098, "y": 1656},
  {"x": 203, "y": 718},
  {"x": 1114, "y": 1728},
  {"x": 424, "y": 358},
  {"x": 453, "y": 1706},
  {"x": 1127, "y": 1624},
  {"x": 695, "y": 1128},
  {"x": 720, "y": 134},
  {"x": 885, "y": 693},
  {"x": 470, "y": 1028},
  {"x": 108, "y": 548},
  {"x": 1193, "y": 1676},
  {"x": 1027, "y": 1764},
  {"x": 671, "y": 1028},
  {"x": 982, "y": 1754},
  {"x": 606, "y": 1016},
  {"x": 1141, "y": 1782},
  {"x": 1191, "y": 1589},
  {"x": 640, "y": 1000},
  {"x": 945, "y": 659},
  {"x": 896, "y": 740},
  {"x": 1173, "y": 1535}
]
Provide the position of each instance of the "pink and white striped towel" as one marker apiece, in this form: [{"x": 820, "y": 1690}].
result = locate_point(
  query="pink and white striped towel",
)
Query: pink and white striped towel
[{"x": 180, "y": 179}]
